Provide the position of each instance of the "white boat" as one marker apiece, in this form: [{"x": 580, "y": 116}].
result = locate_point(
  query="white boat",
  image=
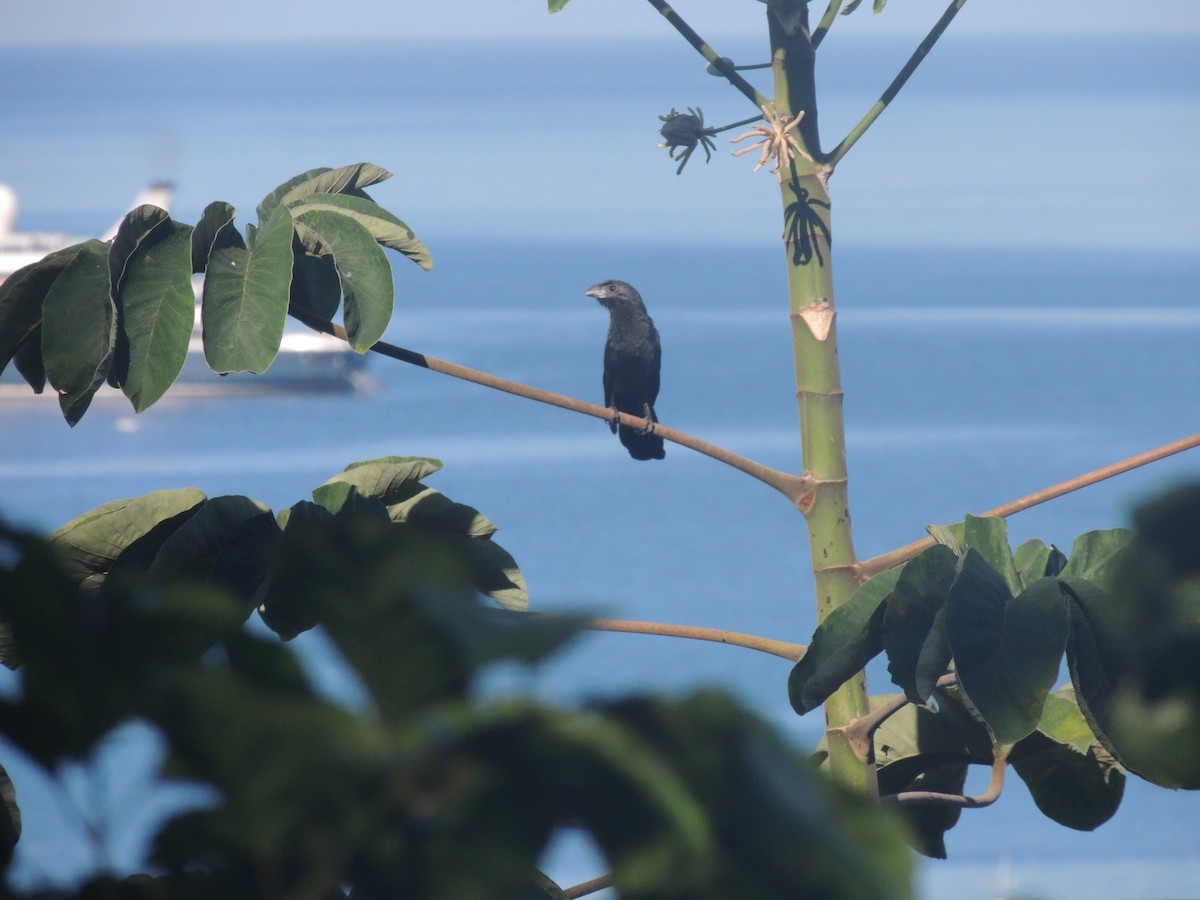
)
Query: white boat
[{"x": 307, "y": 360}]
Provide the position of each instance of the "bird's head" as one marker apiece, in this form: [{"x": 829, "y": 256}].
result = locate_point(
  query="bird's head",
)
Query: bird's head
[{"x": 615, "y": 294}]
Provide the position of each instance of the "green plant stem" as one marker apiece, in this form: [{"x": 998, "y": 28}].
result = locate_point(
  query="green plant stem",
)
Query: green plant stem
[
  {"x": 898, "y": 82},
  {"x": 715, "y": 59},
  {"x": 823, "y": 26},
  {"x": 819, "y": 388},
  {"x": 782, "y": 649},
  {"x": 893, "y": 558},
  {"x": 795, "y": 487}
]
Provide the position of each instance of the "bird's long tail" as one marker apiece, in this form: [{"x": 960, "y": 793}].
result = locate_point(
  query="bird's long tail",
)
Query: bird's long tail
[{"x": 640, "y": 445}]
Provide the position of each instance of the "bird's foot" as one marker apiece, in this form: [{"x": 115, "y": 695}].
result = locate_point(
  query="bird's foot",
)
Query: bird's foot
[
  {"x": 651, "y": 419},
  {"x": 615, "y": 420}
]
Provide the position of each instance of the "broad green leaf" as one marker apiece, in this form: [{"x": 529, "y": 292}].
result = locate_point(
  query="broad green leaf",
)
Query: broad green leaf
[
  {"x": 246, "y": 299},
  {"x": 382, "y": 225},
  {"x": 989, "y": 536},
  {"x": 493, "y": 571},
  {"x": 843, "y": 643},
  {"x": 214, "y": 231},
  {"x": 136, "y": 227},
  {"x": 79, "y": 328},
  {"x": 388, "y": 478},
  {"x": 364, "y": 272},
  {"x": 344, "y": 500},
  {"x": 911, "y": 613},
  {"x": 1035, "y": 560},
  {"x": 191, "y": 551},
  {"x": 1170, "y": 524},
  {"x": 1007, "y": 651},
  {"x": 269, "y": 203},
  {"x": 783, "y": 830},
  {"x": 21, "y": 296},
  {"x": 91, "y": 542},
  {"x": 345, "y": 180},
  {"x": 557, "y": 5},
  {"x": 1097, "y": 654},
  {"x": 929, "y": 822},
  {"x": 915, "y": 735},
  {"x": 1161, "y": 734},
  {"x": 316, "y": 288},
  {"x": 431, "y": 507},
  {"x": 1094, "y": 555},
  {"x": 1103, "y": 668},
  {"x": 928, "y": 748},
  {"x": 655, "y": 834},
  {"x": 158, "y": 312},
  {"x": 28, "y": 361},
  {"x": 304, "y": 573},
  {"x": 1072, "y": 778}
]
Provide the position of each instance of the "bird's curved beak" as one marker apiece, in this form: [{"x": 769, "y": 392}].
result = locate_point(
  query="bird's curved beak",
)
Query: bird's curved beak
[{"x": 597, "y": 292}]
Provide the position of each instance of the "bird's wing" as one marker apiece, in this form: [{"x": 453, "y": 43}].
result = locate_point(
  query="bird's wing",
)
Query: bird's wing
[{"x": 655, "y": 366}]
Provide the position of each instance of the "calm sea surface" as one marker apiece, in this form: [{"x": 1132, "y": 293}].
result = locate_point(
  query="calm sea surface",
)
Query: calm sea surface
[{"x": 1018, "y": 282}]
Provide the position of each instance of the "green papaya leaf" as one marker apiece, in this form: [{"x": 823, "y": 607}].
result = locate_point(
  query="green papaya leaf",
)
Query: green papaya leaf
[
  {"x": 929, "y": 822},
  {"x": 343, "y": 499},
  {"x": 915, "y": 736},
  {"x": 136, "y": 227},
  {"x": 90, "y": 543},
  {"x": 363, "y": 270},
  {"x": 191, "y": 551},
  {"x": 214, "y": 231},
  {"x": 158, "y": 312},
  {"x": 494, "y": 572},
  {"x": 843, "y": 643},
  {"x": 989, "y": 536},
  {"x": 269, "y": 203},
  {"x": 1007, "y": 651},
  {"x": 345, "y": 180},
  {"x": 1071, "y": 777},
  {"x": 316, "y": 288},
  {"x": 431, "y": 507},
  {"x": 388, "y": 478},
  {"x": 21, "y": 296},
  {"x": 1102, "y": 667},
  {"x": 28, "y": 361},
  {"x": 246, "y": 299},
  {"x": 908, "y": 620},
  {"x": 783, "y": 830},
  {"x": 1035, "y": 560},
  {"x": 384, "y": 227},
  {"x": 79, "y": 329},
  {"x": 1095, "y": 555}
]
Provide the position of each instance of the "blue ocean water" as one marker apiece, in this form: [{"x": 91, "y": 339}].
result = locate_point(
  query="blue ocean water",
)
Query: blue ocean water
[{"x": 1018, "y": 303}]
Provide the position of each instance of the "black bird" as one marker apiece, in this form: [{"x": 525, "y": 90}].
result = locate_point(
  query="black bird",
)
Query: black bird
[{"x": 632, "y": 356}]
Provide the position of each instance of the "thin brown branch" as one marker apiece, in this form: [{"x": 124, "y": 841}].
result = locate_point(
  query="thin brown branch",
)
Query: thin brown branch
[
  {"x": 781, "y": 649},
  {"x": 795, "y": 487},
  {"x": 861, "y": 732},
  {"x": 719, "y": 63},
  {"x": 892, "y": 558},
  {"x": 589, "y": 887},
  {"x": 987, "y": 798}
]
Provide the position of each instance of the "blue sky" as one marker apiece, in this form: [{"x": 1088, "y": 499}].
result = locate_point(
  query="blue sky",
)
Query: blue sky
[{"x": 70, "y": 21}]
